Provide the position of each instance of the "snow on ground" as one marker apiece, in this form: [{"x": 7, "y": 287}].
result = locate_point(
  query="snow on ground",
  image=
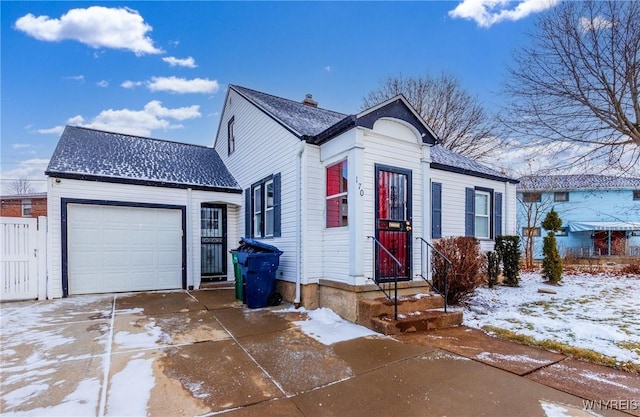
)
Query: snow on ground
[
  {"x": 597, "y": 312},
  {"x": 328, "y": 328}
]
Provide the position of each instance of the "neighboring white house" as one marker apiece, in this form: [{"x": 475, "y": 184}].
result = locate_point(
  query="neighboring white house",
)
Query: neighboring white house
[{"x": 321, "y": 186}]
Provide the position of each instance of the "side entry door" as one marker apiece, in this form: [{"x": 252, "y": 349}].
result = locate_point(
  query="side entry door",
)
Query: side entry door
[{"x": 213, "y": 242}]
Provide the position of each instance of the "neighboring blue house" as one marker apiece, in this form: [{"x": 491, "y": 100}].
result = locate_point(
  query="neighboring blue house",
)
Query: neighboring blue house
[{"x": 600, "y": 214}]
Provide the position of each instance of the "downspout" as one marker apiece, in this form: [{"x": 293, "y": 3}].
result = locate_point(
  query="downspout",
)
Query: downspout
[
  {"x": 190, "y": 251},
  {"x": 301, "y": 148}
]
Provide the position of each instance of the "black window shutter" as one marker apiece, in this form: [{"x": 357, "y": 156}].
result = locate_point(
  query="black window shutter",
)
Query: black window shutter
[
  {"x": 436, "y": 210},
  {"x": 247, "y": 212},
  {"x": 470, "y": 212},
  {"x": 276, "y": 206},
  {"x": 497, "y": 213}
]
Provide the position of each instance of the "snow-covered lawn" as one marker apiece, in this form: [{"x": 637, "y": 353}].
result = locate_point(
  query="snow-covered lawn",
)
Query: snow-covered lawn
[{"x": 598, "y": 312}]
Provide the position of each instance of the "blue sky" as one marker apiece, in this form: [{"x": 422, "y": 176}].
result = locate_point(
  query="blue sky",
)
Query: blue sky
[{"x": 161, "y": 69}]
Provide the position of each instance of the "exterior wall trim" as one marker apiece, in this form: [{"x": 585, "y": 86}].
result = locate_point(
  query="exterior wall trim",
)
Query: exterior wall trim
[{"x": 134, "y": 181}]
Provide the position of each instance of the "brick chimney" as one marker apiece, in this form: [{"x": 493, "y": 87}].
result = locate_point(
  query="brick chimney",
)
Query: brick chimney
[{"x": 309, "y": 101}]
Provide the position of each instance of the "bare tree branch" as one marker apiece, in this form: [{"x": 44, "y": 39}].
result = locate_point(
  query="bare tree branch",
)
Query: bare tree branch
[
  {"x": 456, "y": 117},
  {"x": 578, "y": 81},
  {"x": 20, "y": 186}
]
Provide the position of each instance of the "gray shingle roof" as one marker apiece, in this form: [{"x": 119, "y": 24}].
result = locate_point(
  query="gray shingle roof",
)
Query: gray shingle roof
[
  {"x": 574, "y": 182},
  {"x": 87, "y": 153},
  {"x": 448, "y": 160},
  {"x": 304, "y": 120},
  {"x": 311, "y": 121}
]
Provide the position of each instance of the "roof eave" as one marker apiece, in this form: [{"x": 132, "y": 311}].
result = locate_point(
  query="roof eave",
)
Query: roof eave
[
  {"x": 137, "y": 181},
  {"x": 271, "y": 115},
  {"x": 463, "y": 171},
  {"x": 331, "y": 132}
]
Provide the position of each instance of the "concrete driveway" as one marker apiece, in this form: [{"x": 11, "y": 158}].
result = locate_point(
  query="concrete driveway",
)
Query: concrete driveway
[{"x": 200, "y": 353}]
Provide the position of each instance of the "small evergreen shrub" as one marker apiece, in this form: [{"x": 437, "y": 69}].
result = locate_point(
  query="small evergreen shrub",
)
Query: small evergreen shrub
[
  {"x": 466, "y": 262},
  {"x": 552, "y": 262},
  {"x": 508, "y": 251},
  {"x": 493, "y": 269}
]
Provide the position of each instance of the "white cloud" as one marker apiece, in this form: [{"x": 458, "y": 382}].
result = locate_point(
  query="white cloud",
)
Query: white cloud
[
  {"x": 597, "y": 23},
  {"x": 328, "y": 68},
  {"x": 75, "y": 120},
  {"x": 30, "y": 169},
  {"x": 21, "y": 145},
  {"x": 96, "y": 26},
  {"x": 186, "y": 62},
  {"x": 182, "y": 85},
  {"x": 131, "y": 84},
  {"x": 79, "y": 78},
  {"x": 153, "y": 116},
  {"x": 103, "y": 83},
  {"x": 56, "y": 130},
  {"x": 488, "y": 12}
]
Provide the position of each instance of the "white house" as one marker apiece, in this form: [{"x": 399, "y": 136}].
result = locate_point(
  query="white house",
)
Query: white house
[
  {"x": 324, "y": 187},
  {"x": 341, "y": 196}
]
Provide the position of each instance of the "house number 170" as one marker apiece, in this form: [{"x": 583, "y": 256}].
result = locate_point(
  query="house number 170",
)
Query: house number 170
[{"x": 360, "y": 187}]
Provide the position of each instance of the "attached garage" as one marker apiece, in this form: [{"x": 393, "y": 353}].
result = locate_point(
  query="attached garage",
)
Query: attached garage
[
  {"x": 116, "y": 248},
  {"x": 126, "y": 214}
]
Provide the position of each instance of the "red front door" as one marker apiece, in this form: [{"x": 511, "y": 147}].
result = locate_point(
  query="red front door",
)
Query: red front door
[{"x": 393, "y": 223}]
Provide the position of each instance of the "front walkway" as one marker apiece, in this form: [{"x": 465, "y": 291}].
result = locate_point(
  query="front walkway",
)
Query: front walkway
[{"x": 201, "y": 353}]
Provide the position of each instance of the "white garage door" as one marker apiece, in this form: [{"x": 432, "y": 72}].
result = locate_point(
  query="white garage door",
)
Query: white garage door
[{"x": 114, "y": 248}]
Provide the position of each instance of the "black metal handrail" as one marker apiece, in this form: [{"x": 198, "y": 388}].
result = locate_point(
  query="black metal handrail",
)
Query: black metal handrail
[
  {"x": 447, "y": 264},
  {"x": 396, "y": 264}
]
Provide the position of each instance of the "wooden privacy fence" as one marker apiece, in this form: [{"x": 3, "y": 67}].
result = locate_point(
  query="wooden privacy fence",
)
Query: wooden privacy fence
[{"x": 23, "y": 258}]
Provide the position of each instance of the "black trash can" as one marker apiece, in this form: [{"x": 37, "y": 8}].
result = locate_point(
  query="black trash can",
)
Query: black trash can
[{"x": 258, "y": 265}]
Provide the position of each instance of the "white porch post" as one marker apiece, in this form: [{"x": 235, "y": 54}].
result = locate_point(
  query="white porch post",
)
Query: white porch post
[
  {"x": 356, "y": 208},
  {"x": 425, "y": 163}
]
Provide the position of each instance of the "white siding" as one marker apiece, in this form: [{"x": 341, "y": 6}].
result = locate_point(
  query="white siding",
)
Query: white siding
[
  {"x": 314, "y": 223},
  {"x": 453, "y": 202},
  {"x": 406, "y": 153},
  {"x": 339, "y": 250},
  {"x": 263, "y": 148},
  {"x": 91, "y": 190}
]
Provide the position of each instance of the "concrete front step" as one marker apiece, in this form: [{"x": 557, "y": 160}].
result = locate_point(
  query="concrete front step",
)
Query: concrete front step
[
  {"x": 416, "y": 321},
  {"x": 370, "y": 308}
]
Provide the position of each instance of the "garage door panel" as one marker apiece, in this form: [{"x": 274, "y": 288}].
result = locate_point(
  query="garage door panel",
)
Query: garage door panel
[
  {"x": 141, "y": 280},
  {"x": 167, "y": 237},
  {"x": 84, "y": 237},
  {"x": 167, "y": 260},
  {"x": 117, "y": 248},
  {"x": 165, "y": 279},
  {"x": 142, "y": 237},
  {"x": 144, "y": 258}
]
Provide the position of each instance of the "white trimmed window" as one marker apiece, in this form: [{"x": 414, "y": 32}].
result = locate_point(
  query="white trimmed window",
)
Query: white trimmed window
[
  {"x": 337, "y": 187},
  {"x": 268, "y": 209},
  {"x": 482, "y": 214},
  {"x": 264, "y": 218}
]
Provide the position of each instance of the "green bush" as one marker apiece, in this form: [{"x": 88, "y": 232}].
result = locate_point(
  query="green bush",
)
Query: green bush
[
  {"x": 493, "y": 269},
  {"x": 508, "y": 251},
  {"x": 466, "y": 262},
  {"x": 552, "y": 262}
]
